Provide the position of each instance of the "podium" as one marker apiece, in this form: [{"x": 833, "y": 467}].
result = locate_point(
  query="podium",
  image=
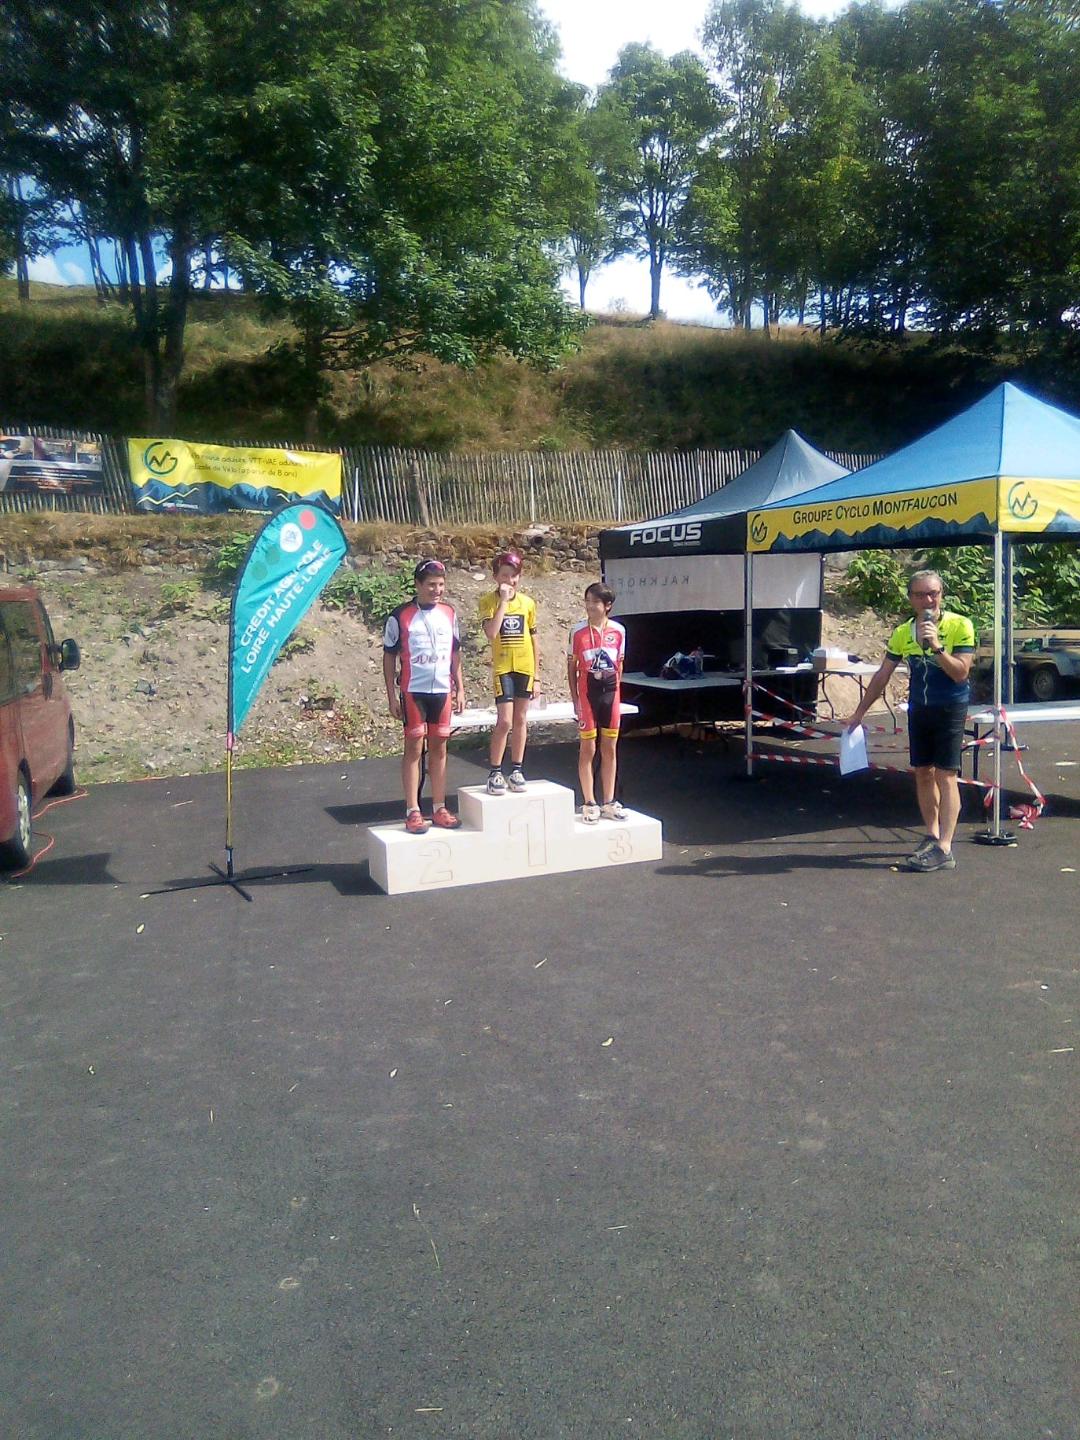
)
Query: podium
[{"x": 508, "y": 837}]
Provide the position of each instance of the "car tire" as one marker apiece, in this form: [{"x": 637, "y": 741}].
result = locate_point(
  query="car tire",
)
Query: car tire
[
  {"x": 17, "y": 852},
  {"x": 65, "y": 781},
  {"x": 1044, "y": 684}
]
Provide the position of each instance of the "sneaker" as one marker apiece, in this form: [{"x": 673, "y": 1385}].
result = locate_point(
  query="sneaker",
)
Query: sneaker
[
  {"x": 415, "y": 823},
  {"x": 933, "y": 858},
  {"x": 926, "y": 843},
  {"x": 613, "y": 810},
  {"x": 517, "y": 781},
  {"x": 443, "y": 818},
  {"x": 496, "y": 783},
  {"x": 590, "y": 814}
]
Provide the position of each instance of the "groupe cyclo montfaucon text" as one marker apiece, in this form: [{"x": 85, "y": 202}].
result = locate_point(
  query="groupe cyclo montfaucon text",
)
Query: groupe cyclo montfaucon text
[{"x": 875, "y": 509}]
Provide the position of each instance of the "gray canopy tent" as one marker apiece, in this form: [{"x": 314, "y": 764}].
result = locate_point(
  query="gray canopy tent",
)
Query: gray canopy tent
[{"x": 679, "y": 577}]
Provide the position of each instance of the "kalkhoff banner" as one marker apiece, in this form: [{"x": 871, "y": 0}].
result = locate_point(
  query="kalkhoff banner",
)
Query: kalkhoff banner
[
  {"x": 175, "y": 476},
  {"x": 290, "y": 560}
]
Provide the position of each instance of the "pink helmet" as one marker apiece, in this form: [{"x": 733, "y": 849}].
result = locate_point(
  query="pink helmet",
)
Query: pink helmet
[{"x": 506, "y": 557}]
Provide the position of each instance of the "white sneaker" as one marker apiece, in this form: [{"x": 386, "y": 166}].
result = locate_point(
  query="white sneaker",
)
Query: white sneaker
[
  {"x": 613, "y": 810},
  {"x": 496, "y": 783},
  {"x": 517, "y": 781},
  {"x": 590, "y": 814}
]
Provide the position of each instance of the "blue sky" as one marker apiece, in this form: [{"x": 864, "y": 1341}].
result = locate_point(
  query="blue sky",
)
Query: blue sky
[{"x": 591, "y": 32}]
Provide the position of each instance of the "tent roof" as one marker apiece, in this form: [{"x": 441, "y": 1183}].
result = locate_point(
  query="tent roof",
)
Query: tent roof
[
  {"x": 716, "y": 524},
  {"x": 791, "y": 466},
  {"x": 1006, "y": 433}
]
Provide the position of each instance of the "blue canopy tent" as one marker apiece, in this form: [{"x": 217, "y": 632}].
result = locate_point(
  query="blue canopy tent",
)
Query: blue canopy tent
[
  {"x": 1007, "y": 466},
  {"x": 679, "y": 577}
]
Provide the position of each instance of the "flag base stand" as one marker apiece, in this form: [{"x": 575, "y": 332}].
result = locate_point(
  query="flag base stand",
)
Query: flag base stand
[
  {"x": 229, "y": 877},
  {"x": 995, "y": 837}
]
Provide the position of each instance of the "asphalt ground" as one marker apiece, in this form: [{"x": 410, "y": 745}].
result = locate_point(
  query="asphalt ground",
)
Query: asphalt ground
[{"x": 766, "y": 1139}]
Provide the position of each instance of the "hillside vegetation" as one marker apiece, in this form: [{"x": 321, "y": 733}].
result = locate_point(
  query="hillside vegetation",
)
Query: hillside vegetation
[{"x": 66, "y": 360}]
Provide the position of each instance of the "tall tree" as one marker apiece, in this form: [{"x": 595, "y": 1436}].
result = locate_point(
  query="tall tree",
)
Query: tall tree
[
  {"x": 657, "y": 116},
  {"x": 417, "y": 213}
]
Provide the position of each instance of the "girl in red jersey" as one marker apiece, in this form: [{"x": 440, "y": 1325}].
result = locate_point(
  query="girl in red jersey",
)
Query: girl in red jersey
[{"x": 594, "y": 665}]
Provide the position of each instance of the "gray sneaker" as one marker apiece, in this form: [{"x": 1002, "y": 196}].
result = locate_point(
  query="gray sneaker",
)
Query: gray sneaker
[
  {"x": 932, "y": 859},
  {"x": 496, "y": 783},
  {"x": 928, "y": 842},
  {"x": 518, "y": 784}
]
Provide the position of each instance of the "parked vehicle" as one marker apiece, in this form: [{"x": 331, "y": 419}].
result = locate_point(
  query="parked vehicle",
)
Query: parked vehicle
[
  {"x": 1047, "y": 662},
  {"x": 37, "y": 732}
]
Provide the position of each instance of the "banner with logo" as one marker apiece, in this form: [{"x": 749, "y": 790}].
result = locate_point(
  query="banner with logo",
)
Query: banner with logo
[
  {"x": 50, "y": 465},
  {"x": 290, "y": 560},
  {"x": 1039, "y": 507},
  {"x": 174, "y": 476},
  {"x": 938, "y": 513}
]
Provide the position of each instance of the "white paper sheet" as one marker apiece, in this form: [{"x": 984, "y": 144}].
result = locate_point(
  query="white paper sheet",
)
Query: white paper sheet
[{"x": 853, "y": 751}]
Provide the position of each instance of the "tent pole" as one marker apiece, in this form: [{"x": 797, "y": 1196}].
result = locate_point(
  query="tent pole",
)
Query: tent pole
[
  {"x": 748, "y": 658},
  {"x": 1009, "y": 672},
  {"x": 995, "y": 835}
]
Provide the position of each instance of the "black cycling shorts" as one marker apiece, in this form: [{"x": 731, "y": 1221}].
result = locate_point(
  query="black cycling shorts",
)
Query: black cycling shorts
[
  {"x": 513, "y": 685},
  {"x": 936, "y": 735}
]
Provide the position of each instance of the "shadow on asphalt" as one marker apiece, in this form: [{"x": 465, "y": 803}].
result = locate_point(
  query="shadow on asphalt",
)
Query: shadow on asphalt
[{"x": 346, "y": 879}]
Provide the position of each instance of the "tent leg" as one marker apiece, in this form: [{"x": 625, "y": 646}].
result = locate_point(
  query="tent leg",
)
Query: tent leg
[
  {"x": 995, "y": 835},
  {"x": 748, "y": 660}
]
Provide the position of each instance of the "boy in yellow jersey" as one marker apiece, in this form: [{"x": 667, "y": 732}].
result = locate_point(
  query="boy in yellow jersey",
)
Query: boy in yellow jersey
[{"x": 509, "y": 621}]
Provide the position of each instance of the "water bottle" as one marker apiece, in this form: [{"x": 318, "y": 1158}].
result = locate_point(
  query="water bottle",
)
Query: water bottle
[{"x": 698, "y": 657}]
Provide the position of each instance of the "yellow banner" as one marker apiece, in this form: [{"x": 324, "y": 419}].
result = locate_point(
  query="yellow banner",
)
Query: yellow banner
[
  {"x": 174, "y": 475},
  {"x": 1027, "y": 507},
  {"x": 861, "y": 517}
]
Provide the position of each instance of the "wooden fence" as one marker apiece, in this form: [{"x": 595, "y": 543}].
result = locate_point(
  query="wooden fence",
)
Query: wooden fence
[{"x": 442, "y": 490}]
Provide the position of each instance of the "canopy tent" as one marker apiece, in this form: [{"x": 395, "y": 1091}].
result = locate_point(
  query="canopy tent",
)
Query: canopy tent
[
  {"x": 679, "y": 578},
  {"x": 789, "y": 468},
  {"x": 1007, "y": 466}
]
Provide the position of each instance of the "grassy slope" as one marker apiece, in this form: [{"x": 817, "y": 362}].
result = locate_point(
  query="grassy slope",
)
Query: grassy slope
[{"x": 66, "y": 361}]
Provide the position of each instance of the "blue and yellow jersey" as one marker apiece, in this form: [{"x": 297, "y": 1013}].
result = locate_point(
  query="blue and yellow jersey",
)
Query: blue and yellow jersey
[{"x": 929, "y": 683}]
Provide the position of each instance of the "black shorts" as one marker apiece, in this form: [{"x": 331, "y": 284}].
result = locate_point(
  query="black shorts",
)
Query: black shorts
[
  {"x": 426, "y": 714},
  {"x": 513, "y": 685},
  {"x": 936, "y": 735}
]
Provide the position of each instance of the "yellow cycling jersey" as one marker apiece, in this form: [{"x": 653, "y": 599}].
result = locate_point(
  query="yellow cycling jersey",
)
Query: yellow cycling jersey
[{"x": 512, "y": 648}]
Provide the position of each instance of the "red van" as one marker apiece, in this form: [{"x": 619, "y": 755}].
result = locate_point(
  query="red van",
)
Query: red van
[{"x": 37, "y": 733}]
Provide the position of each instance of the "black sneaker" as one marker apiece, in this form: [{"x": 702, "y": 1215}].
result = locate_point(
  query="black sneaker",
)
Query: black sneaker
[
  {"x": 931, "y": 859},
  {"x": 928, "y": 842}
]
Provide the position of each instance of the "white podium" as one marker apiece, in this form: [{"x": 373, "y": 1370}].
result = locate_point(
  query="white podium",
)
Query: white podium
[{"x": 505, "y": 837}]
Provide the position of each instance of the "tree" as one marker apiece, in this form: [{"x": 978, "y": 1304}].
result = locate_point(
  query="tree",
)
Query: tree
[
  {"x": 418, "y": 212},
  {"x": 591, "y": 237},
  {"x": 656, "y": 117},
  {"x": 375, "y": 167},
  {"x": 758, "y": 48}
]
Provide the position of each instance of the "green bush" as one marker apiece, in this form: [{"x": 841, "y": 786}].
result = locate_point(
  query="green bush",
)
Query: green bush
[
  {"x": 968, "y": 573},
  {"x": 372, "y": 592},
  {"x": 225, "y": 564},
  {"x": 179, "y": 596},
  {"x": 877, "y": 579},
  {"x": 1046, "y": 584}
]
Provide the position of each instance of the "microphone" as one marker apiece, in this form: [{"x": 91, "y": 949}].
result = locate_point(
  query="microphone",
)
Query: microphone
[{"x": 927, "y": 617}]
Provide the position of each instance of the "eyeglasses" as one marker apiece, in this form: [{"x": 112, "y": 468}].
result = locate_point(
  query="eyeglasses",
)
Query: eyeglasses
[{"x": 926, "y": 594}]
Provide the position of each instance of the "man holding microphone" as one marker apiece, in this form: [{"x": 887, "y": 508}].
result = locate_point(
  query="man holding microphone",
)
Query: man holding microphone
[{"x": 938, "y": 647}]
